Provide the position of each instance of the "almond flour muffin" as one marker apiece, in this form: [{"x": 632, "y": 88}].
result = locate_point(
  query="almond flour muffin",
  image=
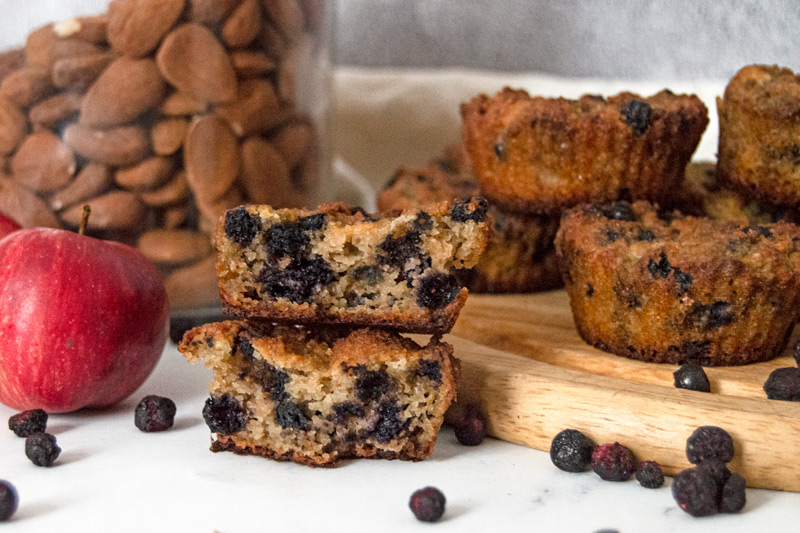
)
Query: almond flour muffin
[
  {"x": 666, "y": 288},
  {"x": 341, "y": 266},
  {"x": 318, "y": 395},
  {"x": 541, "y": 155},
  {"x": 520, "y": 256},
  {"x": 759, "y": 134}
]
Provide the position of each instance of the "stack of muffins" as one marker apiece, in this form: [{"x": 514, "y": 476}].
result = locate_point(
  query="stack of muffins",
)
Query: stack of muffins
[{"x": 315, "y": 369}]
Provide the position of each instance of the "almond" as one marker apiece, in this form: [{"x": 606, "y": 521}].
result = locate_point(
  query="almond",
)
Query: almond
[
  {"x": 136, "y": 27},
  {"x": 193, "y": 286},
  {"x": 117, "y": 210},
  {"x": 10, "y": 61},
  {"x": 293, "y": 142},
  {"x": 24, "y": 206},
  {"x": 43, "y": 162},
  {"x": 211, "y": 12},
  {"x": 271, "y": 42},
  {"x": 26, "y": 86},
  {"x": 174, "y": 247},
  {"x": 43, "y": 48},
  {"x": 91, "y": 181},
  {"x": 287, "y": 16},
  {"x": 13, "y": 126},
  {"x": 91, "y": 29},
  {"x": 168, "y": 135},
  {"x": 193, "y": 61},
  {"x": 251, "y": 64},
  {"x": 174, "y": 217},
  {"x": 147, "y": 175},
  {"x": 256, "y": 110},
  {"x": 174, "y": 191},
  {"x": 79, "y": 72},
  {"x": 265, "y": 174},
  {"x": 181, "y": 104},
  {"x": 116, "y": 147},
  {"x": 211, "y": 158},
  {"x": 53, "y": 111},
  {"x": 125, "y": 90},
  {"x": 243, "y": 26}
]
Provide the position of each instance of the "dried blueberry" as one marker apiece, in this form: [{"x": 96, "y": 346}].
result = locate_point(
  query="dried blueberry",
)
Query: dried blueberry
[
  {"x": 733, "y": 496},
  {"x": 760, "y": 230},
  {"x": 649, "y": 475},
  {"x": 154, "y": 413},
  {"x": 465, "y": 210},
  {"x": 372, "y": 384},
  {"x": 589, "y": 290},
  {"x": 660, "y": 269},
  {"x": 224, "y": 414},
  {"x": 41, "y": 449},
  {"x": 389, "y": 423},
  {"x": 637, "y": 115},
  {"x": 470, "y": 428},
  {"x": 571, "y": 451},
  {"x": 683, "y": 280},
  {"x": 314, "y": 222},
  {"x": 431, "y": 370},
  {"x": 398, "y": 250},
  {"x": 241, "y": 227},
  {"x": 612, "y": 236},
  {"x": 28, "y": 422},
  {"x": 619, "y": 211},
  {"x": 8, "y": 500},
  {"x": 712, "y": 316},
  {"x": 290, "y": 415},
  {"x": 423, "y": 222},
  {"x": 707, "y": 443},
  {"x": 646, "y": 235},
  {"x": 783, "y": 384},
  {"x": 297, "y": 281},
  {"x": 695, "y": 491},
  {"x": 244, "y": 347},
  {"x": 718, "y": 470},
  {"x": 613, "y": 462},
  {"x": 286, "y": 240},
  {"x": 437, "y": 290},
  {"x": 691, "y": 376},
  {"x": 427, "y": 504},
  {"x": 346, "y": 410},
  {"x": 372, "y": 274},
  {"x": 500, "y": 150},
  {"x": 271, "y": 379}
]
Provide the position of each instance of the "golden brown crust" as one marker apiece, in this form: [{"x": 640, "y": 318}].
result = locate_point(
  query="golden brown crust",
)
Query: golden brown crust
[
  {"x": 519, "y": 257},
  {"x": 542, "y": 155},
  {"x": 759, "y": 132},
  {"x": 674, "y": 288}
]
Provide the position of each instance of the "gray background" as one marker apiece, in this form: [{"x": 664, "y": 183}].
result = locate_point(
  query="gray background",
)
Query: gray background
[{"x": 640, "y": 39}]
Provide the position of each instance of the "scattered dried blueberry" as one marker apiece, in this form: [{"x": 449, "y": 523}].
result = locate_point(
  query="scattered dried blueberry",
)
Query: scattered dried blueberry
[
  {"x": 313, "y": 222},
  {"x": 733, "y": 495},
  {"x": 613, "y": 462},
  {"x": 649, "y": 475},
  {"x": 620, "y": 211},
  {"x": 389, "y": 423},
  {"x": 431, "y": 370},
  {"x": 8, "y": 500},
  {"x": 286, "y": 240},
  {"x": 41, "y": 449},
  {"x": 571, "y": 451},
  {"x": 372, "y": 384},
  {"x": 465, "y": 210},
  {"x": 427, "y": 504},
  {"x": 437, "y": 290},
  {"x": 660, "y": 269},
  {"x": 712, "y": 316},
  {"x": 691, "y": 376},
  {"x": 240, "y": 226},
  {"x": 783, "y": 384},
  {"x": 709, "y": 442},
  {"x": 224, "y": 414},
  {"x": 695, "y": 491},
  {"x": 28, "y": 422},
  {"x": 290, "y": 415},
  {"x": 470, "y": 429},
  {"x": 637, "y": 115},
  {"x": 154, "y": 413},
  {"x": 298, "y": 281},
  {"x": 646, "y": 235}
]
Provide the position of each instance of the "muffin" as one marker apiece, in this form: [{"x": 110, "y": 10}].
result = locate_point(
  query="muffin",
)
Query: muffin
[
  {"x": 759, "y": 132},
  {"x": 541, "y": 155},
  {"x": 318, "y": 395},
  {"x": 519, "y": 257},
  {"x": 341, "y": 266},
  {"x": 662, "y": 287}
]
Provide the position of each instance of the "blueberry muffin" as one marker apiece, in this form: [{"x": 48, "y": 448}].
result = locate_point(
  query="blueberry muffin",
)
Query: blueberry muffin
[
  {"x": 520, "y": 256},
  {"x": 667, "y": 288},
  {"x": 759, "y": 134},
  {"x": 704, "y": 193},
  {"x": 318, "y": 395},
  {"x": 541, "y": 155},
  {"x": 341, "y": 266}
]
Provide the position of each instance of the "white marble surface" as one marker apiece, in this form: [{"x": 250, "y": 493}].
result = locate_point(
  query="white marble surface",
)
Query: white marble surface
[{"x": 113, "y": 478}]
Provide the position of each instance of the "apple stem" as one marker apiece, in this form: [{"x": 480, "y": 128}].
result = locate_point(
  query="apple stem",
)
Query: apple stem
[{"x": 84, "y": 219}]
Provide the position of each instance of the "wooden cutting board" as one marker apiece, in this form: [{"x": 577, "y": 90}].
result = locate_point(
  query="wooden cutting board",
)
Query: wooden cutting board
[{"x": 524, "y": 363}]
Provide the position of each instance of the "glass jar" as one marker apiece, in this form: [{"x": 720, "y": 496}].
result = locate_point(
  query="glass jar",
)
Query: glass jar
[{"x": 161, "y": 115}]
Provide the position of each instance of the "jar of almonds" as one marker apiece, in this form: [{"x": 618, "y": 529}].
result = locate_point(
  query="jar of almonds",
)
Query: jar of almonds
[{"x": 161, "y": 115}]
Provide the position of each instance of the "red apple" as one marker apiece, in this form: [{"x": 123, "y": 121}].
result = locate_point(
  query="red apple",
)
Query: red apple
[
  {"x": 83, "y": 321},
  {"x": 7, "y": 225}
]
